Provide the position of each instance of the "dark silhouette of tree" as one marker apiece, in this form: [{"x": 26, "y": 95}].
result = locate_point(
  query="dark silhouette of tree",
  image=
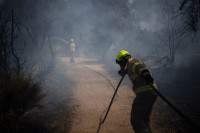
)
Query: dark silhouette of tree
[
  {"x": 9, "y": 59},
  {"x": 171, "y": 36},
  {"x": 190, "y": 10},
  {"x": 35, "y": 18}
]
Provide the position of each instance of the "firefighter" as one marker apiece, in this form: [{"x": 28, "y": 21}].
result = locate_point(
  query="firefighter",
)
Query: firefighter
[
  {"x": 73, "y": 50},
  {"x": 141, "y": 79}
]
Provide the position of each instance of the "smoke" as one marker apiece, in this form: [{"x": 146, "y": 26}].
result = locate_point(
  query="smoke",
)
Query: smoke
[{"x": 101, "y": 28}]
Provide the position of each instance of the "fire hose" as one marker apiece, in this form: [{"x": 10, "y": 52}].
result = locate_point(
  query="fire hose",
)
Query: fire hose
[
  {"x": 102, "y": 121},
  {"x": 161, "y": 96},
  {"x": 176, "y": 110},
  {"x": 115, "y": 93}
]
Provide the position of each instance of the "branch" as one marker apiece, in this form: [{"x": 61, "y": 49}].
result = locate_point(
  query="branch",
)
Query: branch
[
  {"x": 12, "y": 47},
  {"x": 183, "y": 4}
]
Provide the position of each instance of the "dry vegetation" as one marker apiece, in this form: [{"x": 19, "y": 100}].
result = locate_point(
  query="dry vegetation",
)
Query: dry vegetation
[
  {"x": 179, "y": 85},
  {"x": 18, "y": 94}
]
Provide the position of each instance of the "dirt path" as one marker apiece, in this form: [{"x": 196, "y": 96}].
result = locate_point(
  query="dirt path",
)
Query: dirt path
[
  {"x": 91, "y": 94},
  {"x": 76, "y": 98}
]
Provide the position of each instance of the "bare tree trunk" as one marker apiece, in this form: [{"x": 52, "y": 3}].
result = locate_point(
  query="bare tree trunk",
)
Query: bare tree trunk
[{"x": 12, "y": 47}]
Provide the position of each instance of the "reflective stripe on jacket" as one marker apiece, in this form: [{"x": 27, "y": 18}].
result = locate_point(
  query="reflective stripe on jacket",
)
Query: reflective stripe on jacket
[
  {"x": 134, "y": 68},
  {"x": 145, "y": 88},
  {"x": 72, "y": 47}
]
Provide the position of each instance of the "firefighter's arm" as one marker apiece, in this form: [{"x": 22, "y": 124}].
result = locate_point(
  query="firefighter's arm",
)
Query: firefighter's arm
[{"x": 141, "y": 69}]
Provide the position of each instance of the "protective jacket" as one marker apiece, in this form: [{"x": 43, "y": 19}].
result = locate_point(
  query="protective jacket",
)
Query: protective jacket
[
  {"x": 135, "y": 69},
  {"x": 145, "y": 96},
  {"x": 73, "y": 47}
]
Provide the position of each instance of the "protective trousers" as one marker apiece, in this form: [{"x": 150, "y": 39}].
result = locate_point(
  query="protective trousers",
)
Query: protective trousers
[{"x": 141, "y": 111}]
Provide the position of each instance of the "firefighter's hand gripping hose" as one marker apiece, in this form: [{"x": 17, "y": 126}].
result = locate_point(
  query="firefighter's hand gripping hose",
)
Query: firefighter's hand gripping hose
[
  {"x": 195, "y": 128},
  {"x": 101, "y": 121}
]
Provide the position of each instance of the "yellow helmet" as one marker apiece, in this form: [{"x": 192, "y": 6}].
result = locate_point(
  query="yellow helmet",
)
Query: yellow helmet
[
  {"x": 72, "y": 40},
  {"x": 121, "y": 56}
]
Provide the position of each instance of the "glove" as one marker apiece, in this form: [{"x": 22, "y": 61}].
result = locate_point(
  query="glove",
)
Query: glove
[
  {"x": 149, "y": 79},
  {"x": 121, "y": 72}
]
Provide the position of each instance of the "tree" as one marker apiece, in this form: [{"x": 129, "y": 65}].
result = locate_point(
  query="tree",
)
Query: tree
[
  {"x": 9, "y": 60},
  {"x": 190, "y": 11},
  {"x": 171, "y": 35},
  {"x": 18, "y": 92}
]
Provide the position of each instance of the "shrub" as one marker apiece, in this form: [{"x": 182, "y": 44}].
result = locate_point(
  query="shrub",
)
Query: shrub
[{"x": 18, "y": 94}]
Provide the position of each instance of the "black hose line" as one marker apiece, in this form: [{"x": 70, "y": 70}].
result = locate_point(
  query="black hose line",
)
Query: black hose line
[
  {"x": 115, "y": 93},
  {"x": 101, "y": 75},
  {"x": 195, "y": 128},
  {"x": 176, "y": 110},
  {"x": 102, "y": 121}
]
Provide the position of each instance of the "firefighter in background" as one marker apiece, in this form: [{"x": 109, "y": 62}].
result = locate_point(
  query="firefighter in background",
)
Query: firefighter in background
[
  {"x": 141, "y": 79},
  {"x": 72, "y": 50}
]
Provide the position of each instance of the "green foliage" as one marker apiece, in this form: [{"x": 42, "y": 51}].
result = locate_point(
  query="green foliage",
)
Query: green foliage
[{"x": 18, "y": 94}]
